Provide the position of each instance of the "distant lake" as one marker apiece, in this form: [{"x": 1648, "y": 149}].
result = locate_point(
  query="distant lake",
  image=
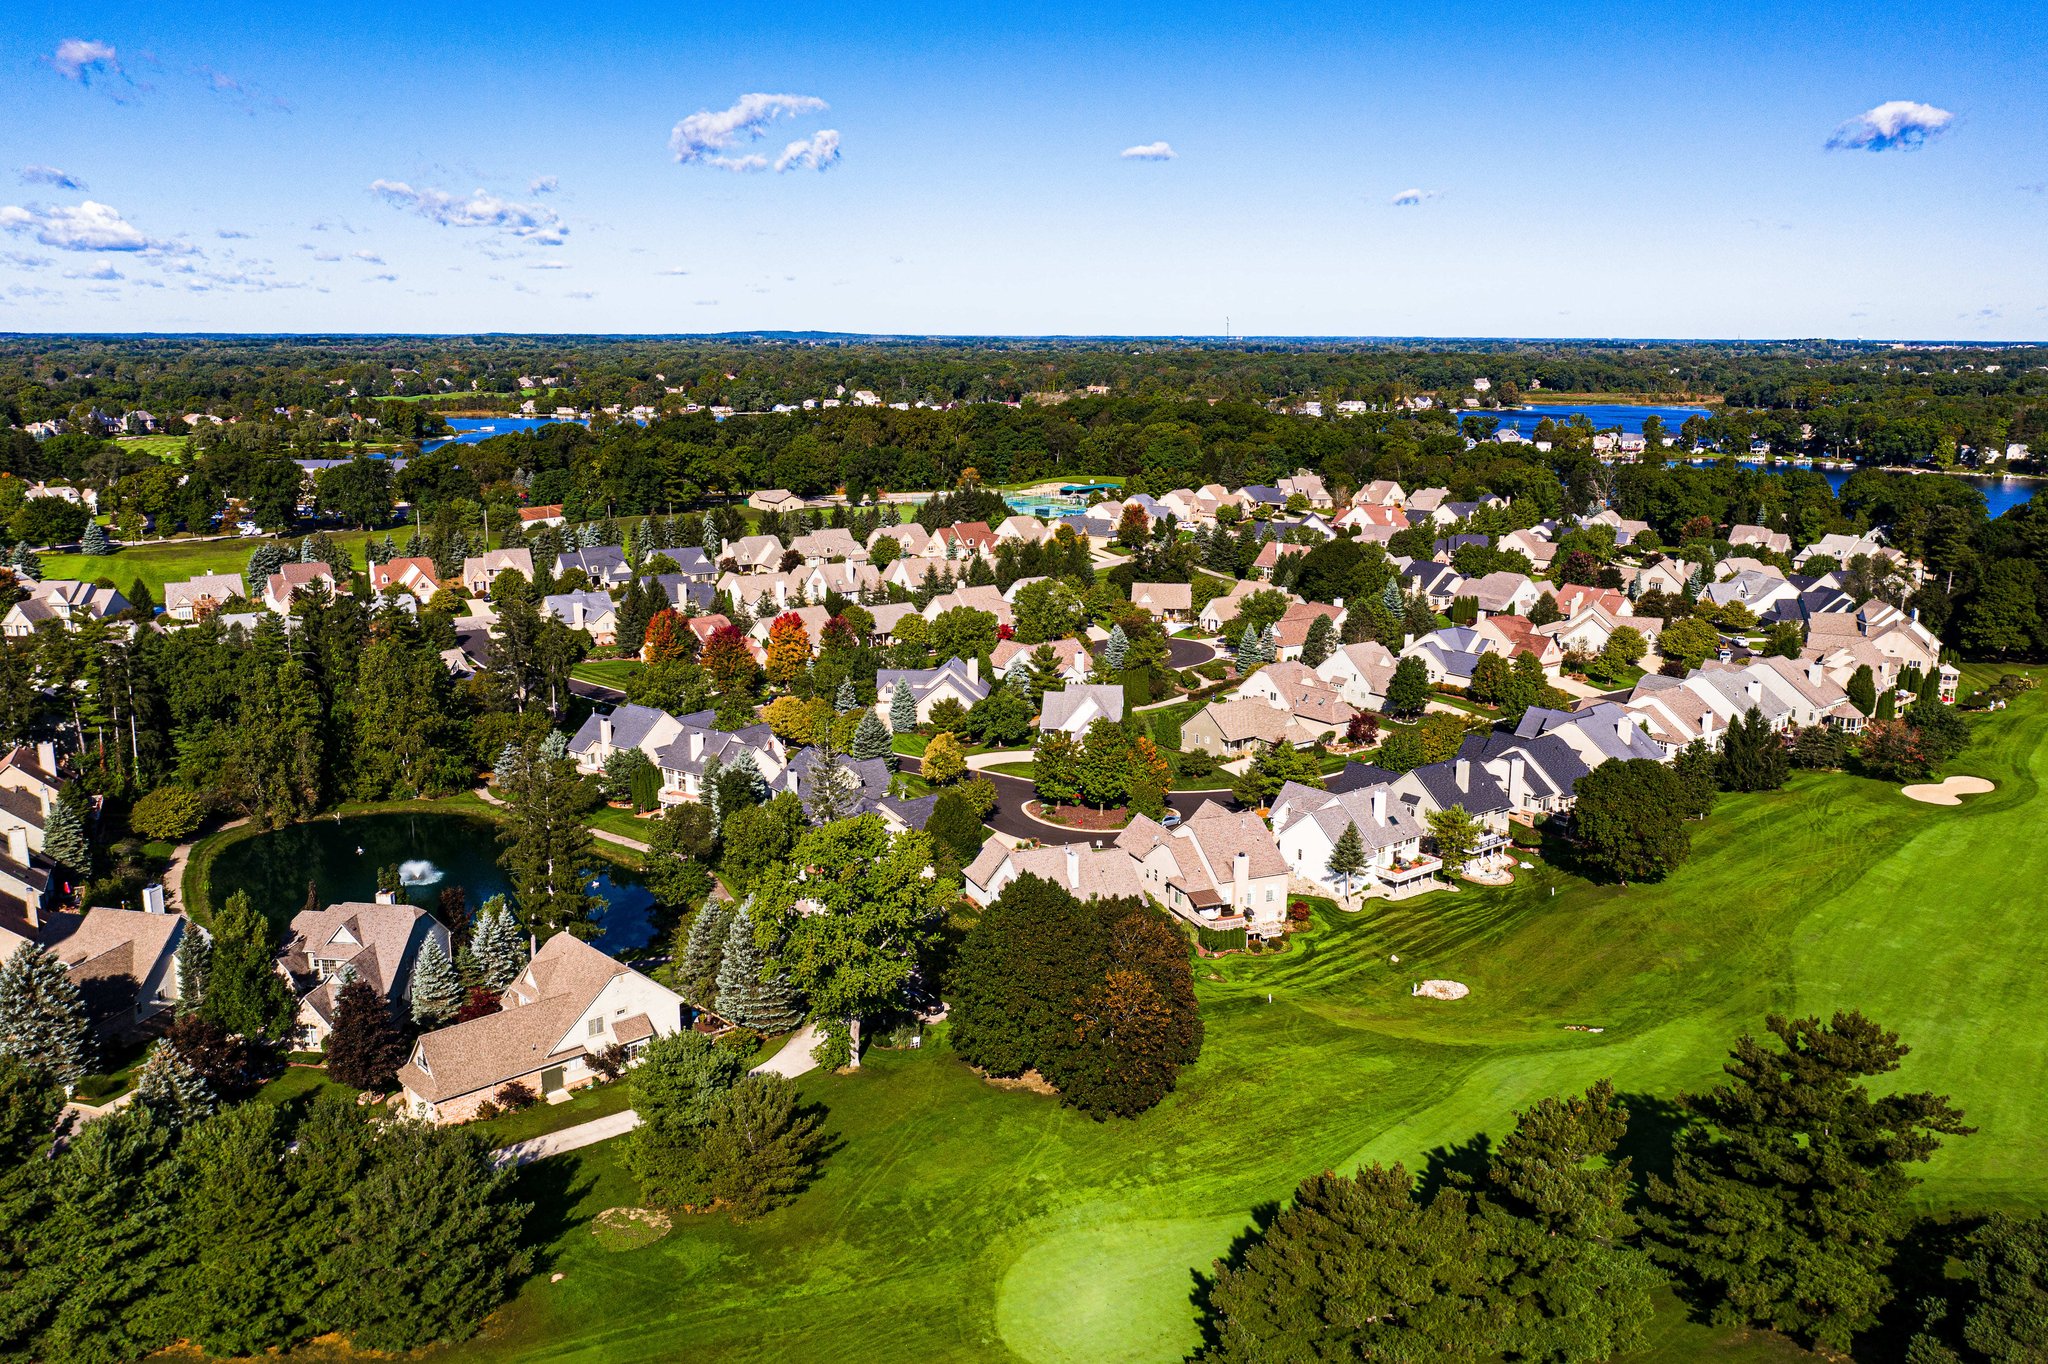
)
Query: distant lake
[
  {"x": 2001, "y": 495},
  {"x": 340, "y": 859},
  {"x": 473, "y": 430},
  {"x": 1628, "y": 417}
]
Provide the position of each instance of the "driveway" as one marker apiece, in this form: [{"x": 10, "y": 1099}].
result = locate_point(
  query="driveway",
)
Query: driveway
[
  {"x": 1189, "y": 653},
  {"x": 568, "y": 1139},
  {"x": 1011, "y": 792}
]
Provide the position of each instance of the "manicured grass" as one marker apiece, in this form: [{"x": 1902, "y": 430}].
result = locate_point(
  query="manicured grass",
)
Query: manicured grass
[
  {"x": 170, "y": 448},
  {"x": 624, "y": 823},
  {"x": 961, "y": 1222},
  {"x": 157, "y": 562},
  {"x": 607, "y": 672},
  {"x": 298, "y": 1086},
  {"x": 597, "y": 1101}
]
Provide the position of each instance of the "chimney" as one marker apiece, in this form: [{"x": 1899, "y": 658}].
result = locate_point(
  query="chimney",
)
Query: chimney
[
  {"x": 1621, "y": 727},
  {"x": 17, "y": 846},
  {"x": 604, "y": 731},
  {"x": 974, "y": 668},
  {"x": 1240, "y": 881},
  {"x": 1073, "y": 867},
  {"x": 387, "y": 897},
  {"x": 696, "y": 743},
  {"x": 576, "y": 612},
  {"x": 1813, "y": 673},
  {"x": 1518, "y": 780},
  {"x": 1379, "y": 806},
  {"x": 46, "y": 757},
  {"x": 1753, "y": 689},
  {"x": 153, "y": 898},
  {"x": 1464, "y": 774}
]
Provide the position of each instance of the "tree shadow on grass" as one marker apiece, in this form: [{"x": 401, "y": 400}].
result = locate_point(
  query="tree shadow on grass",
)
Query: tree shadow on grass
[
  {"x": 1458, "y": 1165},
  {"x": 1204, "y": 1283},
  {"x": 554, "y": 1188},
  {"x": 1653, "y": 1126}
]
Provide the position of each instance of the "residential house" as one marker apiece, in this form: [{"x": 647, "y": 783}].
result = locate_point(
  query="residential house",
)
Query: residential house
[
  {"x": 912, "y": 541},
  {"x": 603, "y": 566},
  {"x": 1381, "y": 492},
  {"x": 1290, "y": 632},
  {"x": 1221, "y": 611},
  {"x": 1269, "y": 556},
  {"x": 984, "y": 599},
  {"x": 1532, "y": 544},
  {"x": 1776, "y": 541},
  {"x": 1023, "y": 530},
  {"x": 928, "y": 686},
  {"x": 569, "y": 1004},
  {"x": 1307, "y": 824},
  {"x": 1303, "y": 693},
  {"x": 1011, "y": 660},
  {"x": 63, "y": 601},
  {"x": 1503, "y": 593},
  {"x": 1074, "y": 708},
  {"x": 479, "y": 571},
  {"x": 1310, "y": 486},
  {"x": 1360, "y": 674},
  {"x": 699, "y": 747},
  {"x": 691, "y": 563},
  {"x": 1083, "y": 872},
  {"x": 1467, "y": 785},
  {"x": 1575, "y": 598},
  {"x": 775, "y": 500},
  {"x": 755, "y": 554},
  {"x": 966, "y": 539},
  {"x": 683, "y": 592},
  {"x": 1449, "y": 655},
  {"x": 831, "y": 543},
  {"x": 1230, "y": 729},
  {"x": 590, "y": 612},
  {"x": 377, "y": 943},
  {"x": 414, "y": 575},
  {"x": 813, "y": 619},
  {"x": 1600, "y": 732},
  {"x": 1625, "y": 530},
  {"x": 533, "y": 518},
  {"x": 1439, "y": 584},
  {"x": 1761, "y": 591},
  {"x": 123, "y": 961},
  {"x": 888, "y": 615},
  {"x": 1167, "y": 602},
  {"x": 29, "y": 787},
  {"x": 1514, "y": 635},
  {"x": 1227, "y": 870},
  {"x": 604, "y": 733},
  {"x": 1540, "y": 775},
  {"x": 1881, "y": 637},
  {"x": 291, "y": 579},
  {"x": 198, "y": 597}
]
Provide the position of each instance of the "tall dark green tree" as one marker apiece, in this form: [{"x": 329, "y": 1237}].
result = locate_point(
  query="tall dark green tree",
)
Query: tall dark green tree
[
  {"x": 1788, "y": 1187},
  {"x": 1752, "y": 757},
  {"x": 43, "y": 1022},
  {"x": 1630, "y": 820},
  {"x": 547, "y": 845},
  {"x": 244, "y": 992}
]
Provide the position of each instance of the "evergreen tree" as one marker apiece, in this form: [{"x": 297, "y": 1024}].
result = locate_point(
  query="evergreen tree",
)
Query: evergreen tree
[
  {"x": 193, "y": 961},
  {"x": 1320, "y": 642},
  {"x": 759, "y": 1149},
  {"x": 1862, "y": 689},
  {"x": 903, "y": 710},
  {"x": 1752, "y": 758},
  {"x": 175, "y": 1093},
  {"x": 64, "y": 838},
  {"x": 95, "y": 541},
  {"x": 1250, "y": 650},
  {"x": 547, "y": 844},
  {"x": 749, "y": 993},
  {"x": 704, "y": 949},
  {"x": 1390, "y": 597},
  {"x": 265, "y": 560},
  {"x": 1788, "y": 1186},
  {"x": 43, "y": 1022},
  {"x": 1114, "y": 650},
  {"x": 871, "y": 739},
  {"x": 1347, "y": 855},
  {"x": 498, "y": 944},
  {"x": 27, "y": 563},
  {"x": 1408, "y": 690},
  {"x": 244, "y": 992},
  {"x": 436, "y": 990},
  {"x": 1269, "y": 644},
  {"x": 847, "y": 699},
  {"x": 366, "y": 1047}
]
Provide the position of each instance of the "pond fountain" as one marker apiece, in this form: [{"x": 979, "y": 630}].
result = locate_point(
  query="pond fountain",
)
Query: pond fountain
[{"x": 434, "y": 854}]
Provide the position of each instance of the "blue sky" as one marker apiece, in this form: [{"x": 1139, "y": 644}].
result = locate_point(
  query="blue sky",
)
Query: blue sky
[{"x": 1423, "y": 169}]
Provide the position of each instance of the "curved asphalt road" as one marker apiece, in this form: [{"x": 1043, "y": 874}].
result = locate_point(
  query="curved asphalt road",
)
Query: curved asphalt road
[
  {"x": 1011, "y": 793},
  {"x": 1189, "y": 653}
]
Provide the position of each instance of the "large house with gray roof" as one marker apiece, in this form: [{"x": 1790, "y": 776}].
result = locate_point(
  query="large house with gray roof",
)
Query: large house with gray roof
[
  {"x": 961, "y": 681},
  {"x": 1307, "y": 823}
]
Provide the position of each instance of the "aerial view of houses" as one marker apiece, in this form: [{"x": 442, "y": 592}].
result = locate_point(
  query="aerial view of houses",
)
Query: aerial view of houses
[{"x": 647, "y": 720}]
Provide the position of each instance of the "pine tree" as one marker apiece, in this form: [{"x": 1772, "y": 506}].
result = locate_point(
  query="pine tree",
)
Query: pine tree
[
  {"x": 703, "y": 949},
  {"x": 173, "y": 1092},
  {"x": 1390, "y": 597},
  {"x": 27, "y": 563},
  {"x": 64, "y": 838},
  {"x": 1321, "y": 640},
  {"x": 749, "y": 994},
  {"x": 436, "y": 990},
  {"x": 194, "y": 960},
  {"x": 1248, "y": 650},
  {"x": 847, "y": 699},
  {"x": 500, "y": 950},
  {"x": 43, "y": 1022},
  {"x": 1114, "y": 651},
  {"x": 244, "y": 992},
  {"x": 1347, "y": 855},
  {"x": 712, "y": 546},
  {"x": 871, "y": 739},
  {"x": 903, "y": 710},
  {"x": 1269, "y": 644},
  {"x": 95, "y": 541}
]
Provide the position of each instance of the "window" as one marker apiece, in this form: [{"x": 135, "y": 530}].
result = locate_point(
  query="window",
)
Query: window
[{"x": 596, "y": 1026}]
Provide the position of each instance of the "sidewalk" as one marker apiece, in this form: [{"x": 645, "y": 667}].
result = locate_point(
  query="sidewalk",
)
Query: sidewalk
[{"x": 568, "y": 1139}]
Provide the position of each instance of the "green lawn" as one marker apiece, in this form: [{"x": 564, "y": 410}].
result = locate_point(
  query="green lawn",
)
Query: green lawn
[
  {"x": 961, "y": 1222},
  {"x": 597, "y": 1101},
  {"x": 170, "y": 448},
  {"x": 158, "y": 562},
  {"x": 607, "y": 672}
]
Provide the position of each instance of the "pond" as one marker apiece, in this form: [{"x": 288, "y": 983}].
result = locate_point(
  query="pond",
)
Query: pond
[
  {"x": 473, "y": 431},
  {"x": 432, "y": 853}
]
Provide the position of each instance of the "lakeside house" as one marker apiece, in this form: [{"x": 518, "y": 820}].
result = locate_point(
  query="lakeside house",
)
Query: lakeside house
[{"x": 377, "y": 943}]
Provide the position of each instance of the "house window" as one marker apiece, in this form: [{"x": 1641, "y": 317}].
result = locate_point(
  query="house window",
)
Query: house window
[{"x": 596, "y": 1026}]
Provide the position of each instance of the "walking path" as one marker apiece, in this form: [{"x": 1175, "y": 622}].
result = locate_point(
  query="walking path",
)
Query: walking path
[
  {"x": 792, "y": 1060},
  {"x": 484, "y": 794},
  {"x": 174, "y": 879}
]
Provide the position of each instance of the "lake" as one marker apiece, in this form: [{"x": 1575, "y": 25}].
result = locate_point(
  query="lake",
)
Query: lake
[
  {"x": 1604, "y": 416},
  {"x": 474, "y": 430},
  {"x": 431, "y": 851}
]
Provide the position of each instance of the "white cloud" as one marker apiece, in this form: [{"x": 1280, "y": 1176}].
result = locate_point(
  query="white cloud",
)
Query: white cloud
[
  {"x": 582, "y": 294},
  {"x": 549, "y": 265},
  {"x": 229, "y": 234},
  {"x": 51, "y": 176},
  {"x": 104, "y": 272},
  {"x": 676, "y": 270},
  {"x": 1898, "y": 123},
  {"x": 1409, "y": 198},
  {"x": 369, "y": 257},
  {"x": 481, "y": 209},
  {"x": 90, "y": 226},
  {"x": 815, "y": 152},
  {"x": 543, "y": 184},
  {"x": 381, "y": 279},
  {"x": 84, "y": 59},
  {"x": 1149, "y": 151},
  {"x": 709, "y": 136}
]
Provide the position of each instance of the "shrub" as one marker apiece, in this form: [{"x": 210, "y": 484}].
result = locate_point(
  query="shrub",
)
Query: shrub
[{"x": 168, "y": 813}]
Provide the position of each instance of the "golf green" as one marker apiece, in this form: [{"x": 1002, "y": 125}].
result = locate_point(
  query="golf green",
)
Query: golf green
[{"x": 957, "y": 1221}]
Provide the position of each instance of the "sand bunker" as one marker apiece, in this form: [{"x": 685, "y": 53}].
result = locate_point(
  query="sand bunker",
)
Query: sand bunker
[
  {"x": 1950, "y": 792},
  {"x": 1440, "y": 989}
]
